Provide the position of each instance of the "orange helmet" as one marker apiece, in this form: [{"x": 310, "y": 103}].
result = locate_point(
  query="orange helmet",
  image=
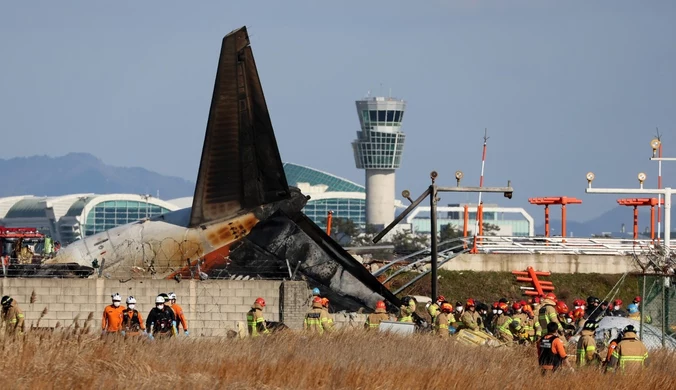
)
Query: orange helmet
[
  {"x": 503, "y": 306},
  {"x": 325, "y": 302},
  {"x": 516, "y": 306},
  {"x": 470, "y": 302},
  {"x": 380, "y": 305},
  {"x": 260, "y": 301},
  {"x": 561, "y": 307},
  {"x": 446, "y": 307},
  {"x": 578, "y": 313},
  {"x": 550, "y": 296}
]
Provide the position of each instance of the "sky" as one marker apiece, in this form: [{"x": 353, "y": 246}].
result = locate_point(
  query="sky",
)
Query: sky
[{"x": 563, "y": 87}]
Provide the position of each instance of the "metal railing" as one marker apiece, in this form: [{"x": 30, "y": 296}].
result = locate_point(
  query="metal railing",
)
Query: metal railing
[{"x": 565, "y": 245}]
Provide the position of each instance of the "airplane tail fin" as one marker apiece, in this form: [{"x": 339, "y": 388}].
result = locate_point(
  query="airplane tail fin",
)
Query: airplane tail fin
[{"x": 240, "y": 166}]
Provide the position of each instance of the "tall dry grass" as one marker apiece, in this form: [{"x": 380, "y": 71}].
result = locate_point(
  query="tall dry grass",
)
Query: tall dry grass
[{"x": 345, "y": 360}]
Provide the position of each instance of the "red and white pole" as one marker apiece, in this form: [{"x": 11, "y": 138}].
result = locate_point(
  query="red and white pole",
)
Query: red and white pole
[
  {"x": 481, "y": 183},
  {"x": 659, "y": 196}
]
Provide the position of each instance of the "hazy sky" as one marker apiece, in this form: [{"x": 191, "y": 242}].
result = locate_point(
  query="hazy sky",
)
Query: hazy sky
[{"x": 563, "y": 87}]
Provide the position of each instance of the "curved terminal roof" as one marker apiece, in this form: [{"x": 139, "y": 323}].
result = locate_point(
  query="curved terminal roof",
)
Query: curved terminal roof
[
  {"x": 301, "y": 174},
  {"x": 30, "y": 207}
]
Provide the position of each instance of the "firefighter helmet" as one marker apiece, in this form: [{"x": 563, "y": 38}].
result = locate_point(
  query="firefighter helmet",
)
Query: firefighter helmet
[
  {"x": 159, "y": 299},
  {"x": 325, "y": 302},
  {"x": 116, "y": 297},
  {"x": 315, "y": 291},
  {"x": 470, "y": 302},
  {"x": 446, "y": 307},
  {"x": 172, "y": 296},
  {"x": 637, "y": 299},
  {"x": 380, "y": 305},
  {"x": 617, "y": 302},
  {"x": 260, "y": 301},
  {"x": 6, "y": 300},
  {"x": 131, "y": 300},
  {"x": 503, "y": 306},
  {"x": 550, "y": 296},
  {"x": 629, "y": 328},
  {"x": 561, "y": 307}
]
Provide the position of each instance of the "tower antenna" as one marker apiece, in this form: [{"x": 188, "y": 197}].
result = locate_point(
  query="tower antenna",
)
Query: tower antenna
[{"x": 479, "y": 214}]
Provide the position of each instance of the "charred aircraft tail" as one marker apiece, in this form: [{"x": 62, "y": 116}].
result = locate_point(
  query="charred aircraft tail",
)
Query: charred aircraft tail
[{"x": 241, "y": 171}]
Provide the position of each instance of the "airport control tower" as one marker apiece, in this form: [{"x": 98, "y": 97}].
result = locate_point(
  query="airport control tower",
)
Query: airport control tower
[{"x": 378, "y": 149}]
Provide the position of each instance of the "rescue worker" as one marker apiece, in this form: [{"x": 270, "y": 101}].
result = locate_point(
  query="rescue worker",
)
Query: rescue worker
[
  {"x": 520, "y": 327},
  {"x": 255, "y": 322},
  {"x": 630, "y": 353},
  {"x": 442, "y": 321},
  {"x": 373, "y": 320},
  {"x": 578, "y": 304},
  {"x": 161, "y": 320},
  {"x": 532, "y": 325},
  {"x": 407, "y": 309},
  {"x": 178, "y": 313},
  {"x": 502, "y": 324},
  {"x": 493, "y": 316},
  {"x": 482, "y": 309},
  {"x": 470, "y": 318},
  {"x": 325, "y": 306},
  {"x": 548, "y": 312},
  {"x": 12, "y": 316},
  {"x": 617, "y": 309},
  {"x": 611, "y": 349},
  {"x": 593, "y": 312},
  {"x": 586, "y": 346},
  {"x": 578, "y": 318},
  {"x": 551, "y": 351},
  {"x": 132, "y": 323},
  {"x": 317, "y": 319},
  {"x": 111, "y": 322},
  {"x": 634, "y": 314},
  {"x": 433, "y": 310}
]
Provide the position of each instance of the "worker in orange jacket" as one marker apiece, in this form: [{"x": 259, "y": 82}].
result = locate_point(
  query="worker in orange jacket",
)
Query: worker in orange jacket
[
  {"x": 132, "y": 322},
  {"x": 112, "y": 316},
  {"x": 178, "y": 312}
]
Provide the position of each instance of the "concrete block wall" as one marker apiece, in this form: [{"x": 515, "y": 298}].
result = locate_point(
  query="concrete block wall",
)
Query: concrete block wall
[
  {"x": 295, "y": 304},
  {"x": 556, "y": 263},
  {"x": 212, "y": 307}
]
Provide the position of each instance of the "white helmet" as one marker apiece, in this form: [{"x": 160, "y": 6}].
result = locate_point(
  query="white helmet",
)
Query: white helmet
[
  {"x": 131, "y": 300},
  {"x": 159, "y": 299},
  {"x": 116, "y": 297},
  {"x": 172, "y": 296}
]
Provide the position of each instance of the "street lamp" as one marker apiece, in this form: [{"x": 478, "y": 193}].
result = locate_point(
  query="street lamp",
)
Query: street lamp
[{"x": 667, "y": 192}]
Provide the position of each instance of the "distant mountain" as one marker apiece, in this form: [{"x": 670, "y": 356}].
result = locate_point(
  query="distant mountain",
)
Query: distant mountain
[
  {"x": 82, "y": 173},
  {"x": 610, "y": 221}
]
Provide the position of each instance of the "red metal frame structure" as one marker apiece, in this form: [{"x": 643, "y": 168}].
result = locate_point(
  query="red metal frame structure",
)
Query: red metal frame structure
[
  {"x": 531, "y": 275},
  {"x": 548, "y": 201},
  {"x": 22, "y": 232},
  {"x": 636, "y": 202}
]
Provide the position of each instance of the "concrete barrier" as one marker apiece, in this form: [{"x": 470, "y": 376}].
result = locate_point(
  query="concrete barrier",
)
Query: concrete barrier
[
  {"x": 212, "y": 307},
  {"x": 557, "y": 263}
]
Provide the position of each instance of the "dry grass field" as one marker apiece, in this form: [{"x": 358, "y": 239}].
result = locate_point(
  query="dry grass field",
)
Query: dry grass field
[{"x": 344, "y": 360}]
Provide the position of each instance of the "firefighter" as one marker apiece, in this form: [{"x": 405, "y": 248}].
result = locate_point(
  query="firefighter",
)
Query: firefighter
[
  {"x": 373, "y": 320},
  {"x": 578, "y": 304},
  {"x": 586, "y": 346},
  {"x": 548, "y": 313},
  {"x": 482, "y": 309},
  {"x": 502, "y": 323},
  {"x": 317, "y": 319},
  {"x": 470, "y": 318},
  {"x": 492, "y": 317},
  {"x": 160, "y": 320},
  {"x": 325, "y": 307},
  {"x": 132, "y": 322},
  {"x": 634, "y": 314},
  {"x": 630, "y": 353},
  {"x": 551, "y": 351},
  {"x": 593, "y": 312},
  {"x": 12, "y": 316},
  {"x": 442, "y": 320},
  {"x": 178, "y": 313},
  {"x": 611, "y": 349},
  {"x": 578, "y": 318},
  {"x": 111, "y": 322},
  {"x": 520, "y": 323},
  {"x": 255, "y": 322},
  {"x": 433, "y": 310},
  {"x": 617, "y": 309},
  {"x": 407, "y": 309}
]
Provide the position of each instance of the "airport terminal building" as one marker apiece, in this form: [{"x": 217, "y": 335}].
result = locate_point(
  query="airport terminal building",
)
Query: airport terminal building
[{"x": 71, "y": 217}]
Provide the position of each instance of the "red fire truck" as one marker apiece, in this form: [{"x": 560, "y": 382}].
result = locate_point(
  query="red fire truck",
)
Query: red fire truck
[{"x": 24, "y": 245}]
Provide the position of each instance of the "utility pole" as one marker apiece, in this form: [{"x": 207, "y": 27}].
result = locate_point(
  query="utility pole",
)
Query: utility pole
[
  {"x": 432, "y": 192},
  {"x": 667, "y": 191}
]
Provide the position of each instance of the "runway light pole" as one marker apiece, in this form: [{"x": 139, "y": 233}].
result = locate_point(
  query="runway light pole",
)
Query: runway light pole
[
  {"x": 432, "y": 191},
  {"x": 667, "y": 191}
]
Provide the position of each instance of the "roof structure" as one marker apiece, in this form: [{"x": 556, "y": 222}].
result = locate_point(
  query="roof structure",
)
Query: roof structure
[{"x": 301, "y": 174}]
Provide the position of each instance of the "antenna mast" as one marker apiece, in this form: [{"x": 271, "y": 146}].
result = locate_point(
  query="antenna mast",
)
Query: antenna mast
[{"x": 479, "y": 218}]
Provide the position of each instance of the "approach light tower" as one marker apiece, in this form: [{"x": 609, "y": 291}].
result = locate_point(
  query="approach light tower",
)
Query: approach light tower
[{"x": 378, "y": 149}]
